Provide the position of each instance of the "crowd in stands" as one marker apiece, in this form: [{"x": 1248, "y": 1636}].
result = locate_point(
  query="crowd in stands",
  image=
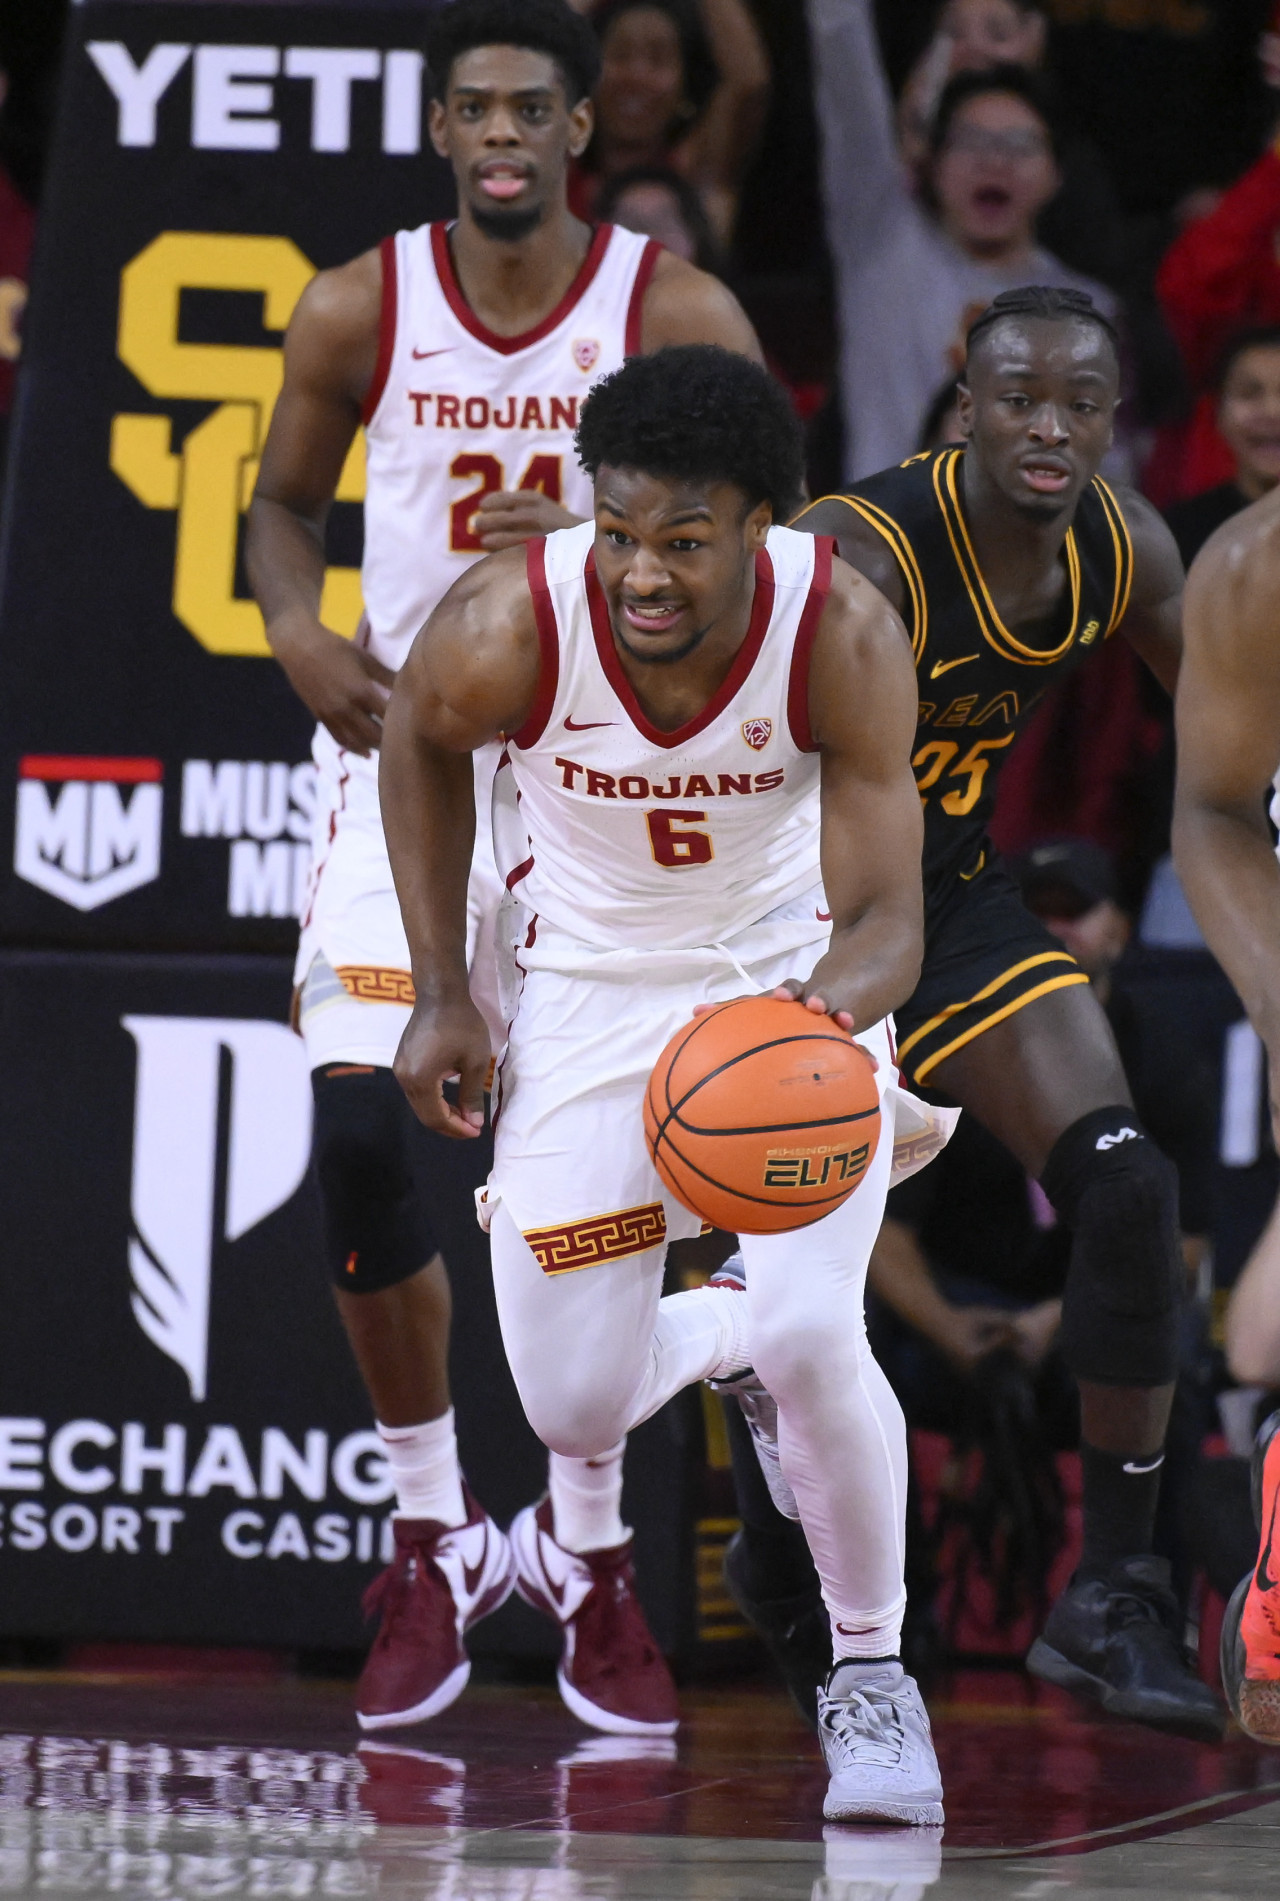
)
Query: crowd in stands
[{"x": 869, "y": 174}]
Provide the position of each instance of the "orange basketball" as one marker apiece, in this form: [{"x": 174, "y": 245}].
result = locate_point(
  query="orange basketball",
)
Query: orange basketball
[{"x": 761, "y": 1116}]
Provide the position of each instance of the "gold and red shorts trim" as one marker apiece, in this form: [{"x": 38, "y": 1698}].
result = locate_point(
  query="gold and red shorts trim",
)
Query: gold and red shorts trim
[
  {"x": 986, "y": 957},
  {"x": 600, "y": 1238},
  {"x": 376, "y": 983}
]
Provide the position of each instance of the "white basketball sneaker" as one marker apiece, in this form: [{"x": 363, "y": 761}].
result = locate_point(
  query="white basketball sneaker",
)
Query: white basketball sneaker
[
  {"x": 875, "y": 1735},
  {"x": 759, "y": 1408}
]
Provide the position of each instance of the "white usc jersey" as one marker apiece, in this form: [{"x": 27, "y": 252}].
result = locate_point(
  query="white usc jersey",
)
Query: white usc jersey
[
  {"x": 640, "y": 839},
  {"x": 456, "y": 412}
]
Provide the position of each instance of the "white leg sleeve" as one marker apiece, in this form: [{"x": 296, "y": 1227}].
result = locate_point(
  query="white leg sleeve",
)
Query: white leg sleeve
[
  {"x": 842, "y": 1437},
  {"x": 595, "y": 1352}
]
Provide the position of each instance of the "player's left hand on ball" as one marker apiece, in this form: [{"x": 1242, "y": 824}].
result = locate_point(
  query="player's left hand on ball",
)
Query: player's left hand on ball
[
  {"x": 509, "y": 517},
  {"x": 445, "y": 1036}
]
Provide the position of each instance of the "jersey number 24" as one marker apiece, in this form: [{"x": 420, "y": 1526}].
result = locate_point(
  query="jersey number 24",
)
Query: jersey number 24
[{"x": 542, "y": 475}]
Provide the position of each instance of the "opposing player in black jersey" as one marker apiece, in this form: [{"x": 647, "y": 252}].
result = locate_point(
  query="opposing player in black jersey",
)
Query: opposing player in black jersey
[{"x": 1010, "y": 561}]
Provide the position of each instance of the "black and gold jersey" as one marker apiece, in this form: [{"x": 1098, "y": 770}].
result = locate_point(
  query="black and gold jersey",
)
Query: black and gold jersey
[{"x": 978, "y": 681}]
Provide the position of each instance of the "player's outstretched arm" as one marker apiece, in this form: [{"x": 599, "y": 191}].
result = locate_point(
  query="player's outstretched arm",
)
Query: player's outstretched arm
[
  {"x": 862, "y": 716},
  {"x": 1228, "y": 722},
  {"x": 1152, "y": 621},
  {"x": 471, "y": 674},
  {"x": 329, "y": 357},
  {"x": 858, "y": 542}
]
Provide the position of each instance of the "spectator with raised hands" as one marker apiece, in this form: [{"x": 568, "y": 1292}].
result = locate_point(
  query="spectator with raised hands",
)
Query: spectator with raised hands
[
  {"x": 968, "y": 36},
  {"x": 647, "y": 113},
  {"x": 909, "y": 278}
]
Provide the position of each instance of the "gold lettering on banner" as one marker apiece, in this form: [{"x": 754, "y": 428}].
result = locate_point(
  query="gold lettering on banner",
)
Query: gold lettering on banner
[
  {"x": 13, "y": 301},
  {"x": 209, "y": 479},
  {"x": 600, "y": 1238}
]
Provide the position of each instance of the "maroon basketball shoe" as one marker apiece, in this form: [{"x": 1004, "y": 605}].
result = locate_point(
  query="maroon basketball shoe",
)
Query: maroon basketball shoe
[
  {"x": 441, "y": 1581},
  {"x": 612, "y": 1674}
]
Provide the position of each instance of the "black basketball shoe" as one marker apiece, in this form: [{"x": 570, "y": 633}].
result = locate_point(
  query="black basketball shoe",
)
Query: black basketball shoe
[
  {"x": 1117, "y": 1641},
  {"x": 796, "y": 1631}
]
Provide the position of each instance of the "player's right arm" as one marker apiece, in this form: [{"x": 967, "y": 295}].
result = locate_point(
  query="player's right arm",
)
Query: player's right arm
[
  {"x": 329, "y": 357},
  {"x": 472, "y": 673},
  {"x": 858, "y": 543},
  {"x": 1228, "y": 728}
]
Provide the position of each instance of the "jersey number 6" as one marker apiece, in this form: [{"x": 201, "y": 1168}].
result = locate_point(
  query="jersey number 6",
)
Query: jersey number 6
[
  {"x": 673, "y": 848},
  {"x": 542, "y": 475}
]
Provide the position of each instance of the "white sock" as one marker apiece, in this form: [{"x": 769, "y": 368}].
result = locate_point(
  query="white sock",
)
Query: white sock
[
  {"x": 877, "y": 1633},
  {"x": 586, "y": 1500},
  {"x": 424, "y": 1466},
  {"x": 719, "y": 1313}
]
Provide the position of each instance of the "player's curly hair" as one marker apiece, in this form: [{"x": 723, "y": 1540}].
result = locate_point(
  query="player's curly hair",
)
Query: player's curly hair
[
  {"x": 1046, "y": 301},
  {"x": 695, "y": 411},
  {"x": 543, "y": 26}
]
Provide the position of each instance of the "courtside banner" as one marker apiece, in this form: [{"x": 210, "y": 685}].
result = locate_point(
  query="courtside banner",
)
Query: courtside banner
[
  {"x": 186, "y": 1452},
  {"x": 155, "y": 784},
  {"x": 185, "y": 1449}
]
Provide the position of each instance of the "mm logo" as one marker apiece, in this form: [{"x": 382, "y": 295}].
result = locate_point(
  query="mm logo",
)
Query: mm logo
[
  {"x": 88, "y": 830},
  {"x": 207, "y": 480},
  {"x": 814, "y": 1168}
]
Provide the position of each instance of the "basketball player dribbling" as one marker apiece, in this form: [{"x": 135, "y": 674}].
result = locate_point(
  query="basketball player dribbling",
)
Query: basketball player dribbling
[
  {"x": 466, "y": 348},
  {"x": 1009, "y": 560},
  {"x": 1228, "y": 712},
  {"x": 690, "y": 697}
]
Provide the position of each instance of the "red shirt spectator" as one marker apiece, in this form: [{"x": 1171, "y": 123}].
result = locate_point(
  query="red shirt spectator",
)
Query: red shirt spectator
[{"x": 1219, "y": 276}]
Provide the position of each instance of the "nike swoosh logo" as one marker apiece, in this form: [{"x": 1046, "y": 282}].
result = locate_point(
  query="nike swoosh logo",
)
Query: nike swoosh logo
[
  {"x": 1141, "y": 1471},
  {"x": 471, "y": 1576},
  {"x": 823, "y": 917},
  {"x": 1263, "y": 1580},
  {"x": 557, "y": 1589},
  {"x": 586, "y": 726},
  {"x": 420, "y": 356},
  {"x": 944, "y": 666}
]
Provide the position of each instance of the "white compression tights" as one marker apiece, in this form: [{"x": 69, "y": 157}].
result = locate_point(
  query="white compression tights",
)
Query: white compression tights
[{"x": 595, "y": 1353}]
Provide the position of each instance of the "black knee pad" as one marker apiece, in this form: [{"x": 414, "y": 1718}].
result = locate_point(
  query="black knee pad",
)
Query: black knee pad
[
  {"x": 1119, "y": 1196},
  {"x": 376, "y": 1232}
]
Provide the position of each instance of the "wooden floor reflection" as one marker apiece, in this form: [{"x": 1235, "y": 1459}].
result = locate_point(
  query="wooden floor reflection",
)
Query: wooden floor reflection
[{"x": 184, "y": 1786}]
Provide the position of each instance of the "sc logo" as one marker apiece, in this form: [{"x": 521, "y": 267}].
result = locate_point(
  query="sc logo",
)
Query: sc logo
[{"x": 209, "y": 480}]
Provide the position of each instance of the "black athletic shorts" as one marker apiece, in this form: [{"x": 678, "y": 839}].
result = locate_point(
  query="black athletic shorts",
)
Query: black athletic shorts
[{"x": 985, "y": 956}]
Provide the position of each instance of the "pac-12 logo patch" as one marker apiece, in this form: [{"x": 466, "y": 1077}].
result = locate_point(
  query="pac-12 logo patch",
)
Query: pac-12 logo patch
[
  {"x": 757, "y": 733},
  {"x": 586, "y": 353}
]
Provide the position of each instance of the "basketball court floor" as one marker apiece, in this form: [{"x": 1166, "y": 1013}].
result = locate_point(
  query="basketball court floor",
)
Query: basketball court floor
[{"x": 185, "y": 1785}]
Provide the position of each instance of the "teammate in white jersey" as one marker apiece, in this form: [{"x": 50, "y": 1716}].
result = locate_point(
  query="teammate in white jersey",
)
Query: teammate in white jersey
[
  {"x": 709, "y": 726},
  {"x": 466, "y": 349}
]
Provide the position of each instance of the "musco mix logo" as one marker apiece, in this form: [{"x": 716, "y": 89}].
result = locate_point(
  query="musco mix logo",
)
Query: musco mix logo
[{"x": 88, "y": 830}]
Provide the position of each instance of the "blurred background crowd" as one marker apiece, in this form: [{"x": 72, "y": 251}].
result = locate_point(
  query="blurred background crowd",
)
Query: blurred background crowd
[{"x": 867, "y": 176}]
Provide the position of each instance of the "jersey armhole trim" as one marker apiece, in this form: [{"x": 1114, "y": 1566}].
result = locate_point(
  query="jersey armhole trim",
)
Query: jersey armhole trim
[
  {"x": 386, "y": 333},
  {"x": 916, "y": 616},
  {"x": 544, "y": 615},
  {"x": 635, "y": 308},
  {"x": 1122, "y": 542},
  {"x": 802, "y": 651}
]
